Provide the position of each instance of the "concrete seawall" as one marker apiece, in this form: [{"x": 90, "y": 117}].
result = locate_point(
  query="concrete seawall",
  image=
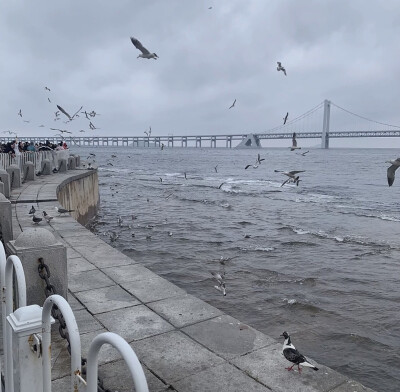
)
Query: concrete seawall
[
  {"x": 183, "y": 343},
  {"x": 81, "y": 194}
]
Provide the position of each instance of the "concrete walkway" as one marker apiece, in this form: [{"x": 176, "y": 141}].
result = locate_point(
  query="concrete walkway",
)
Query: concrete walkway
[{"x": 183, "y": 343}]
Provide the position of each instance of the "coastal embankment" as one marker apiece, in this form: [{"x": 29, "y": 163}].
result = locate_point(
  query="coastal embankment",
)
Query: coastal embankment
[{"x": 183, "y": 343}]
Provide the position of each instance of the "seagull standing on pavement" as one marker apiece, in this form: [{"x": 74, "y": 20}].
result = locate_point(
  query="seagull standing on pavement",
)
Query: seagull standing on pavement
[
  {"x": 36, "y": 220},
  {"x": 280, "y": 68},
  {"x": 392, "y": 170},
  {"x": 47, "y": 217},
  {"x": 32, "y": 210},
  {"x": 62, "y": 210},
  {"x": 145, "y": 53},
  {"x": 292, "y": 355}
]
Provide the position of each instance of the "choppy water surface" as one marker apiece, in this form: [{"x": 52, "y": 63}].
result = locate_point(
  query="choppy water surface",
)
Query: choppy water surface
[{"x": 322, "y": 260}]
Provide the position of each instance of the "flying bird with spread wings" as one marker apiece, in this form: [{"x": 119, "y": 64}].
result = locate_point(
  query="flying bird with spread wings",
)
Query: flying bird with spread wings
[
  {"x": 230, "y": 107},
  {"x": 145, "y": 53},
  {"x": 280, "y": 68}
]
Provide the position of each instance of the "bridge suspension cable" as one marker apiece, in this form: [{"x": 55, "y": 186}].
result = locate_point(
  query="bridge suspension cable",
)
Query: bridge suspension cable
[
  {"x": 297, "y": 119},
  {"x": 364, "y": 118}
]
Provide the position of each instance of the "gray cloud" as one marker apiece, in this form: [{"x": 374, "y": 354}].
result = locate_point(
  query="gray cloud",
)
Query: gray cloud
[{"x": 339, "y": 50}]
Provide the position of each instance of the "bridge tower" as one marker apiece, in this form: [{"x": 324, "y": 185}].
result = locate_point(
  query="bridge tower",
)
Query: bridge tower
[{"x": 325, "y": 124}]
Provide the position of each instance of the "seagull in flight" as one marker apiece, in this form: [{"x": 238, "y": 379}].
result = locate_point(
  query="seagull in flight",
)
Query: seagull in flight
[
  {"x": 294, "y": 143},
  {"x": 216, "y": 169},
  {"x": 292, "y": 355},
  {"x": 392, "y": 170},
  {"x": 220, "y": 280},
  {"x": 20, "y": 113},
  {"x": 304, "y": 153},
  {"x": 63, "y": 111},
  {"x": 145, "y": 53},
  {"x": 285, "y": 118},
  {"x": 46, "y": 88},
  {"x": 292, "y": 176},
  {"x": 60, "y": 130},
  {"x": 230, "y": 107},
  {"x": 280, "y": 68},
  {"x": 258, "y": 162}
]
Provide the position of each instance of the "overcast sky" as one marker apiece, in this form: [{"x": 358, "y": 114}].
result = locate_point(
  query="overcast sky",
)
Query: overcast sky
[{"x": 346, "y": 51}]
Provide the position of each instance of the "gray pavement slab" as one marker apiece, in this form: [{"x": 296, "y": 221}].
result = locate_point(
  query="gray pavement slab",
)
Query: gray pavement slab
[
  {"x": 74, "y": 303},
  {"x": 154, "y": 289},
  {"x": 88, "y": 280},
  {"x": 86, "y": 322},
  {"x": 116, "y": 376},
  {"x": 102, "y": 255},
  {"x": 129, "y": 273},
  {"x": 79, "y": 264},
  {"x": 184, "y": 310},
  {"x": 227, "y": 336},
  {"x": 134, "y": 323},
  {"x": 174, "y": 356},
  {"x": 222, "y": 378},
  {"x": 267, "y": 365},
  {"x": 106, "y": 299}
]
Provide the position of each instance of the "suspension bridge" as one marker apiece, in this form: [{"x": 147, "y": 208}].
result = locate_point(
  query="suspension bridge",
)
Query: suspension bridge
[{"x": 325, "y": 121}]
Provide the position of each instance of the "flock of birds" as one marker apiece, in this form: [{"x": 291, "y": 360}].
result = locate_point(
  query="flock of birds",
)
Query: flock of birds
[
  {"x": 89, "y": 115},
  {"x": 48, "y": 218}
]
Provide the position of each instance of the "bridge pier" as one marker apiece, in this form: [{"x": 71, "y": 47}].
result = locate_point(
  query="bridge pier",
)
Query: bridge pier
[
  {"x": 198, "y": 141},
  {"x": 325, "y": 124},
  {"x": 229, "y": 142},
  {"x": 213, "y": 142},
  {"x": 171, "y": 141}
]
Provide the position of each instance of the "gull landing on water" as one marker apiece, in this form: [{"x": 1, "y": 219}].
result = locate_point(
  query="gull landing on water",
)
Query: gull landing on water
[
  {"x": 292, "y": 176},
  {"x": 280, "y": 68},
  {"x": 221, "y": 283},
  {"x": 392, "y": 170},
  {"x": 145, "y": 53},
  {"x": 292, "y": 355},
  {"x": 258, "y": 162}
]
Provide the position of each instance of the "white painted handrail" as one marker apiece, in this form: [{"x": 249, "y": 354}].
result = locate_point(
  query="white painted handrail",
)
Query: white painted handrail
[
  {"x": 128, "y": 355},
  {"x": 3, "y": 261},
  {"x": 74, "y": 338},
  {"x": 13, "y": 263}
]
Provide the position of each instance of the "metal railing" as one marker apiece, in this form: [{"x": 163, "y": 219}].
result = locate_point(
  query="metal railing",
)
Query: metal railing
[
  {"x": 24, "y": 357},
  {"x": 6, "y": 160}
]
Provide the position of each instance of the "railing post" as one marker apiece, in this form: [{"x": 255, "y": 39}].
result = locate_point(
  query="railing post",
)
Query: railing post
[
  {"x": 26, "y": 325},
  {"x": 5, "y": 219},
  {"x": 325, "y": 124},
  {"x": 74, "y": 338},
  {"x": 32, "y": 245},
  {"x": 5, "y": 179},
  {"x": 129, "y": 356},
  {"x": 13, "y": 264}
]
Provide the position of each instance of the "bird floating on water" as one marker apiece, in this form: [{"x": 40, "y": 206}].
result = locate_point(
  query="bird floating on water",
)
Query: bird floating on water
[
  {"x": 294, "y": 143},
  {"x": 292, "y": 355},
  {"x": 145, "y": 53},
  {"x": 292, "y": 176},
  {"x": 230, "y": 107},
  {"x": 392, "y": 170},
  {"x": 220, "y": 280},
  {"x": 280, "y": 68}
]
